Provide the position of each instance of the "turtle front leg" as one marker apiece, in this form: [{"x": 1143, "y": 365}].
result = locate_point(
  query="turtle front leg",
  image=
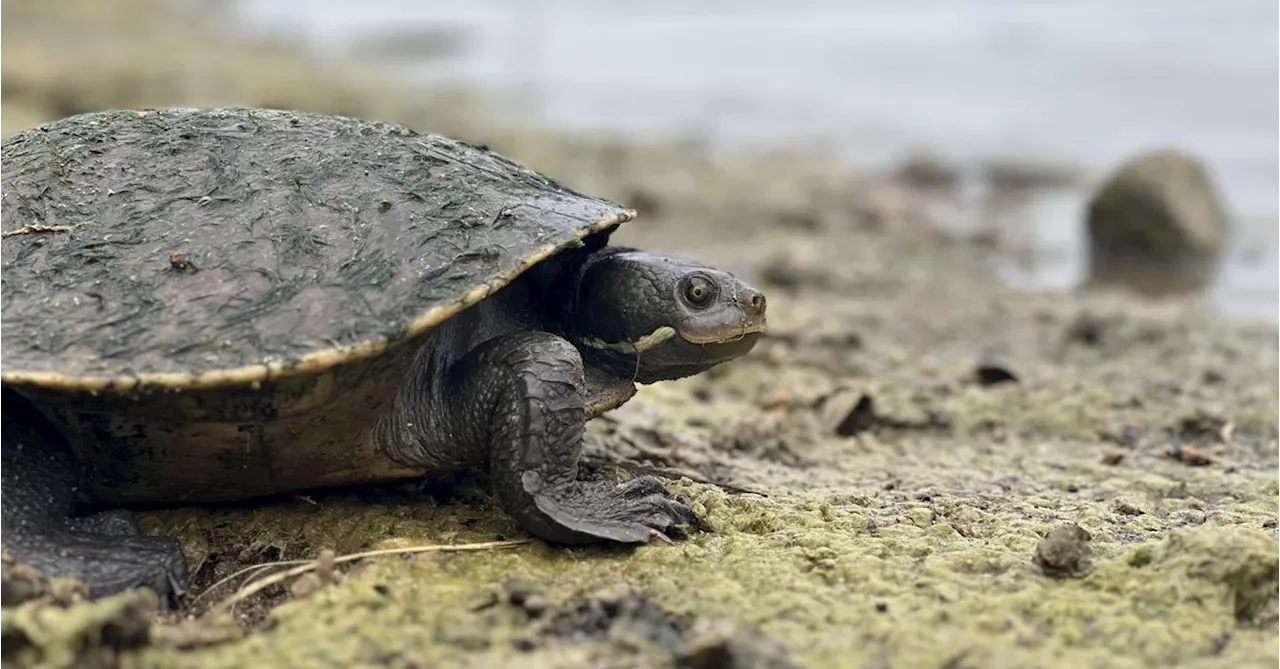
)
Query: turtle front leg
[
  {"x": 104, "y": 551},
  {"x": 521, "y": 396}
]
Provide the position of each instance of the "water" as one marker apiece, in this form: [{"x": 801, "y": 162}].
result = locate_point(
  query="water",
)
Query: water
[{"x": 1083, "y": 81}]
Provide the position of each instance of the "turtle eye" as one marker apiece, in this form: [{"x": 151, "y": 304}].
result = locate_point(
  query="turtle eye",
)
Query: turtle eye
[{"x": 698, "y": 291}]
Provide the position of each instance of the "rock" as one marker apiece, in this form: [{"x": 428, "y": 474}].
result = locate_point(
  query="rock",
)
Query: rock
[
  {"x": 1190, "y": 455},
  {"x": 1065, "y": 552},
  {"x": 1157, "y": 226},
  {"x": 859, "y": 419},
  {"x": 991, "y": 375}
]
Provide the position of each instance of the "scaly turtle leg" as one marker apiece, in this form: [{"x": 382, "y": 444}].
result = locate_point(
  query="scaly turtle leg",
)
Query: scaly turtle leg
[
  {"x": 102, "y": 550},
  {"x": 521, "y": 398}
]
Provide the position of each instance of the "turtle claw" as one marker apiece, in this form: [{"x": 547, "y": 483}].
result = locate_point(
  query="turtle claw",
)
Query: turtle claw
[
  {"x": 665, "y": 511},
  {"x": 177, "y": 588},
  {"x": 642, "y": 486},
  {"x": 638, "y": 511},
  {"x": 656, "y": 535}
]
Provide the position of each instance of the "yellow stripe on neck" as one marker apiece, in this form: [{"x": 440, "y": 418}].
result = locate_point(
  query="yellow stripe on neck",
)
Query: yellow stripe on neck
[{"x": 639, "y": 346}]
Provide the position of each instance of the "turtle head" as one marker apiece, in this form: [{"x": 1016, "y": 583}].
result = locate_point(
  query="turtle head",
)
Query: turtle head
[{"x": 663, "y": 317}]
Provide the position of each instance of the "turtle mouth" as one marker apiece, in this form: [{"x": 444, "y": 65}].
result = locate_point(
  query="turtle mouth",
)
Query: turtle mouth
[
  {"x": 726, "y": 344},
  {"x": 750, "y": 331},
  {"x": 727, "y": 349}
]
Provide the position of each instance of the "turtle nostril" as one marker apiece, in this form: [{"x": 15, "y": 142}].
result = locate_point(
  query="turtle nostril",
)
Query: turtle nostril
[{"x": 757, "y": 302}]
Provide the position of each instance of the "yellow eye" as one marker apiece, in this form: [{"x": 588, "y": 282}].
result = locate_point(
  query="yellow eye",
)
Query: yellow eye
[{"x": 699, "y": 291}]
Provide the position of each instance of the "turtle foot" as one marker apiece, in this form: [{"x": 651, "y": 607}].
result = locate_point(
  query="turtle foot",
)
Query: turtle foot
[
  {"x": 107, "y": 563},
  {"x": 637, "y": 511},
  {"x": 520, "y": 399},
  {"x": 39, "y": 525}
]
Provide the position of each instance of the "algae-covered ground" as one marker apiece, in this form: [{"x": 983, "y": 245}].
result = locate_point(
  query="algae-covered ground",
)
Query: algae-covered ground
[{"x": 918, "y": 467}]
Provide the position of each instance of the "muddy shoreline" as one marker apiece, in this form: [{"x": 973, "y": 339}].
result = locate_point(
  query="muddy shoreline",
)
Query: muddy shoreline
[{"x": 874, "y": 483}]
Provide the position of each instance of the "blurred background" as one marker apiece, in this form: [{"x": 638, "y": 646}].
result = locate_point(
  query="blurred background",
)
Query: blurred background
[
  {"x": 1084, "y": 83},
  {"x": 1038, "y": 100}
]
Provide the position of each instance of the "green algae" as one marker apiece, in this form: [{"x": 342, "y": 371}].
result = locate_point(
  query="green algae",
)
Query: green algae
[
  {"x": 39, "y": 634},
  {"x": 841, "y": 570},
  {"x": 798, "y": 567}
]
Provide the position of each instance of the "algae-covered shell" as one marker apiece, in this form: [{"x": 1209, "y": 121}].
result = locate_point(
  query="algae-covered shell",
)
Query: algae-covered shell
[{"x": 177, "y": 282}]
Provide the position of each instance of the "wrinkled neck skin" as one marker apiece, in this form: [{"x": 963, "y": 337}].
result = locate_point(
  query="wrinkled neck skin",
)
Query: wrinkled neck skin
[
  {"x": 643, "y": 367},
  {"x": 622, "y": 310},
  {"x": 609, "y": 347}
]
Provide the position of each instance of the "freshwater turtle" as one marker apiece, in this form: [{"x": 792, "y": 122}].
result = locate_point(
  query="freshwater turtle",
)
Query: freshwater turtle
[{"x": 222, "y": 304}]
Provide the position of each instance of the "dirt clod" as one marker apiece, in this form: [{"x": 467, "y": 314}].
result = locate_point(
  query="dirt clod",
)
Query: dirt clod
[
  {"x": 1065, "y": 552},
  {"x": 1112, "y": 458},
  {"x": 208, "y": 630},
  {"x": 1203, "y": 426},
  {"x": 1190, "y": 455},
  {"x": 991, "y": 375},
  {"x": 19, "y": 582},
  {"x": 306, "y": 585},
  {"x": 179, "y": 260},
  {"x": 620, "y": 615},
  {"x": 621, "y": 612},
  {"x": 719, "y": 644},
  {"x": 89, "y": 634},
  {"x": 859, "y": 419}
]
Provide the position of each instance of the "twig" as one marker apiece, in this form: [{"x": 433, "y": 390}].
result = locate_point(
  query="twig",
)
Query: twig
[
  {"x": 250, "y": 590},
  {"x": 33, "y": 228},
  {"x": 247, "y": 570}
]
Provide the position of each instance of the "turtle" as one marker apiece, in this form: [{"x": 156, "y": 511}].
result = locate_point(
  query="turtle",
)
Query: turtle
[{"x": 206, "y": 305}]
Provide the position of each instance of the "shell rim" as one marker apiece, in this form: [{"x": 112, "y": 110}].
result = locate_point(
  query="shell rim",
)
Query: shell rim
[{"x": 312, "y": 363}]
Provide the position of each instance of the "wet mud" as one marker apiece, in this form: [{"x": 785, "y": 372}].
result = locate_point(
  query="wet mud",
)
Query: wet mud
[{"x": 918, "y": 466}]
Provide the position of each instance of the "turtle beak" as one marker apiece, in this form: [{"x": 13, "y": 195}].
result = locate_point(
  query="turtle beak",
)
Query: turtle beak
[{"x": 752, "y": 303}]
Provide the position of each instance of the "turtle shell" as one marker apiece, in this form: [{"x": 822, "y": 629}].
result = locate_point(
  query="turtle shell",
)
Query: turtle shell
[
  {"x": 195, "y": 248},
  {"x": 217, "y": 304}
]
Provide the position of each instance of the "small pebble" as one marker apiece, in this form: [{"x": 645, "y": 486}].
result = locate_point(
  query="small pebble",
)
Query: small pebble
[
  {"x": 1065, "y": 552},
  {"x": 1191, "y": 456}
]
